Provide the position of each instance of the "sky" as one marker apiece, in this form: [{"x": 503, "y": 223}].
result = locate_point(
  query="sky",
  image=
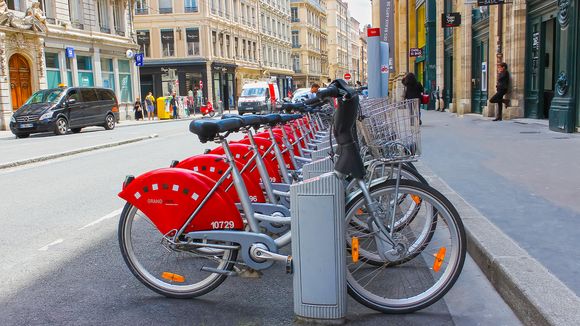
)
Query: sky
[{"x": 360, "y": 10}]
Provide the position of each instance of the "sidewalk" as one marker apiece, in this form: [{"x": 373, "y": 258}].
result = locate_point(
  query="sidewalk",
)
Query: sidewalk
[{"x": 525, "y": 180}]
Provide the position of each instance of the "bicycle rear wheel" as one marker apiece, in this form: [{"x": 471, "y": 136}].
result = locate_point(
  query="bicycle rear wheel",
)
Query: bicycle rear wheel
[
  {"x": 173, "y": 270},
  {"x": 431, "y": 248}
]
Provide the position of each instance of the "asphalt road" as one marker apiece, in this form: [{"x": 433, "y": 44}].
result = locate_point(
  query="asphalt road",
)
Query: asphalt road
[{"x": 61, "y": 263}]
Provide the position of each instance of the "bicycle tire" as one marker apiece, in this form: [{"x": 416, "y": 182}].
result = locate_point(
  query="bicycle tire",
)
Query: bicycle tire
[
  {"x": 393, "y": 299},
  {"x": 151, "y": 270}
]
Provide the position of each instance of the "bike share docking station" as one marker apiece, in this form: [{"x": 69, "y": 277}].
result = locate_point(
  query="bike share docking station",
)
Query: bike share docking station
[{"x": 319, "y": 245}]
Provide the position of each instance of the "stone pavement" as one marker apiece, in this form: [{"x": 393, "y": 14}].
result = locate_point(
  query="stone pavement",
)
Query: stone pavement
[{"x": 525, "y": 179}]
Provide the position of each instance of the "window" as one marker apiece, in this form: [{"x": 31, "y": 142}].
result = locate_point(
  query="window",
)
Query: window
[
  {"x": 192, "y": 37},
  {"x": 165, "y": 6},
  {"x": 214, "y": 42},
  {"x": 75, "y": 10},
  {"x": 106, "y": 95},
  {"x": 103, "y": 10},
  {"x": 141, "y": 7},
  {"x": 168, "y": 42},
  {"x": 125, "y": 81},
  {"x": 108, "y": 73},
  {"x": 89, "y": 95},
  {"x": 69, "y": 72},
  {"x": 49, "y": 9},
  {"x": 16, "y": 5},
  {"x": 144, "y": 41},
  {"x": 52, "y": 69},
  {"x": 228, "y": 53},
  {"x": 296, "y": 63},
  {"x": 118, "y": 13},
  {"x": 85, "y": 69},
  {"x": 295, "y": 39},
  {"x": 191, "y": 6}
]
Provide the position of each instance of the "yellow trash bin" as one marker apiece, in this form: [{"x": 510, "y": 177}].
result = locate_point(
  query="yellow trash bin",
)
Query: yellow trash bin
[{"x": 162, "y": 113}]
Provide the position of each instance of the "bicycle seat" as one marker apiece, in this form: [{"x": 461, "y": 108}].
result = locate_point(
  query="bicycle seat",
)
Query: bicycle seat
[
  {"x": 208, "y": 130},
  {"x": 249, "y": 120},
  {"x": 272, "y": 119},
  {"x": 288, "y": 117}
]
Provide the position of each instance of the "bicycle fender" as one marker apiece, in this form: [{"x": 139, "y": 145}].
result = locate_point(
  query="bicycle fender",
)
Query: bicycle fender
[
  {"x": 214, "y": 166},
  {"x": 169, "y": 196}
]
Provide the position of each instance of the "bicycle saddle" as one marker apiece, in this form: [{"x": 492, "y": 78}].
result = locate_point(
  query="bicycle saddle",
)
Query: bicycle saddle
[
  {"x": 249, "y": 120},
  {"x": 208, "y": 130},
  {"x": 272, "y": 119}
]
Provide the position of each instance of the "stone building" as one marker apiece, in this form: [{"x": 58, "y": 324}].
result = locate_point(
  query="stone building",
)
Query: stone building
[
  {"x": 309, "y": 38},
  {"x": 363, "y": 67},
  {"x": 338, "y": 38},
  {"x": 215, "y": 45},
  {"x": 355, "y": 51},
  {"x": 59, "y": 41}
]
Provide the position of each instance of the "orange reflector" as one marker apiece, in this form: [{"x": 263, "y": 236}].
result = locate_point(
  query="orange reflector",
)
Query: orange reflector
[
  {"x": 173, "y": 277},
  {"x": 439, "y": 258},
  {"x": 354, "y": 249},
  {"x": 416, "y": 199},
  {"x": 359, "y": 211}
]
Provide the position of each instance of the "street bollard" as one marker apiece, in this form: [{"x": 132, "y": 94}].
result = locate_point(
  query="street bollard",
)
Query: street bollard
[{"x": 319, "y": 249}]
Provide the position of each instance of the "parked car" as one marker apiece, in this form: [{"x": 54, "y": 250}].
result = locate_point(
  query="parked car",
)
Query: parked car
[
  {"x": 61, "y": 109},
  {"x": 259, "y": 97},
  {"x": 300, "y": 95}
]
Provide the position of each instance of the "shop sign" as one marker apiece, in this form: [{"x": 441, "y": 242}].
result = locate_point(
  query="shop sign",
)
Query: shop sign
[
  {"x": 70, "y": 52},
  {"x": 536, "y": 41},
  {"x": 452, "y": 19},
  {"x": 373, "y": 32},
  {"x": 482, "y": 3},
  {"x": 143, "y": 38},
  {"x": 415, "y": 52},
  {"x": 192, "y": 35},
  {"x": 139, "y": 59}
]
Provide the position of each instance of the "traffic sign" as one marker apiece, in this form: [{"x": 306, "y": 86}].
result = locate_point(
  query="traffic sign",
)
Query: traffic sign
[
  {"x": 139, "y": 59},
  {"x": 200, "y": 84},
  {"x": 347, "y": 76}
]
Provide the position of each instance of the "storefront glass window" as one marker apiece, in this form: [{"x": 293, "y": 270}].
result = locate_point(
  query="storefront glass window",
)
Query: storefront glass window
[
  {"x": 217, "y": 94},
  {"x": 52, "y": 69},
  {"x": 125, "y": 81},
  {"x": 69, "y": 72},
  {"x": 85, "y": 68},
  {"x": 108, "y": 73}
]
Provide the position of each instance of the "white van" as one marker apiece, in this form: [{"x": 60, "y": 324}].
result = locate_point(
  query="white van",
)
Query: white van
[{"x": 259, "y": 97}]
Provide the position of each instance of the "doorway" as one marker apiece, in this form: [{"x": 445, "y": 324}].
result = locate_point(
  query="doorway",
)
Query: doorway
[
  {"x": 20, "y": 80},
  {"x": 541, "y": 81}
]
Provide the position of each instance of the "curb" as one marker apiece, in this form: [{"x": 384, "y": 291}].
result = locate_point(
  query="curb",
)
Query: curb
[
  {"x": 535, "y": 295},
  {"x": 73, "y": 152}
]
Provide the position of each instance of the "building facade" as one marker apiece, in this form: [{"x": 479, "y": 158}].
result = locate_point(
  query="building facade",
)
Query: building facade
[
  {"x": 309, "y": 42},
  {"x": 56, "y": 41},
  {"x": 338, "y": 38},
  {"x": 355, "y": 51},
  {"x": 363, "y": 66},
  {"x": 215, "y": 46}
]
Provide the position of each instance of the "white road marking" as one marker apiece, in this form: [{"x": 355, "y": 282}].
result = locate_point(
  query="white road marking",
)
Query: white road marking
[
  {"x": 45, "y": 248},
  {"x": 104, "y": 218}
]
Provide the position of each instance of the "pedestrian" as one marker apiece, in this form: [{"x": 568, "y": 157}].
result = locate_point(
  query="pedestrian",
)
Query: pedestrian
[
  {"x": 173, "y": 104},
  {"x": 138, "y": 110},
  {"x": 150, "y": 106},
  {"x": 413, "y": 90},
  {"x": 501, "y": 87},
  {"x": 313, "y": 90}
]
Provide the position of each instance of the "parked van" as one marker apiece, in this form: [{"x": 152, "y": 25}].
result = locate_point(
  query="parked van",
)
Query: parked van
[
  {"x": 259, "y": 97},
  {"x": 61, "y": 109}
]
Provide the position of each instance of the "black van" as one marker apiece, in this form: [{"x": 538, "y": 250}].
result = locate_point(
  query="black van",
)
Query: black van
[{"x": 61, "y": 109}]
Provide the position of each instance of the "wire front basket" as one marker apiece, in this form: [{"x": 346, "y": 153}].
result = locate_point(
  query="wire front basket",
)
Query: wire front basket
[{"x": 390, "y": 130}]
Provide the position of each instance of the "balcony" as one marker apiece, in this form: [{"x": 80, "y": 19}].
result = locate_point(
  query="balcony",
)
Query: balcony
[
  {"x": 165, "y": 10},
  {"x": 191, "y": 9},
  {"x": 296, "y": 46},
  {"x": 141, "y": 11},
  {"x": 105, "y": 30},
  {"x": 295, "y": 20}
]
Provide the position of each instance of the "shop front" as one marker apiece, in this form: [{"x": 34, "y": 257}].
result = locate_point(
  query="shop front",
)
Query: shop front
[
  {"x": 480, "y": 59},
  {"x": 183, "y": 78},
  {"x": 224, "y": 86},
  {"x": 284, "y": 85}
]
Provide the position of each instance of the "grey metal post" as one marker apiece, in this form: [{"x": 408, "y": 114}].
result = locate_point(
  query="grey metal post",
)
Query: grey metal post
[{"x": 320, "y": 292}]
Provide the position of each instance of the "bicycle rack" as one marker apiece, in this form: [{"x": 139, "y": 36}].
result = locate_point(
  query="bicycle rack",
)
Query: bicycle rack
[
  {"x": 319, "y": 248},
  {"x": 317, "y": 168}
]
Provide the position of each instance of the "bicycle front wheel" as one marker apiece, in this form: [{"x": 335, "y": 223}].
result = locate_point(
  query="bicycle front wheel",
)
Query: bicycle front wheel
[
  {"x": 426, "y": 259},
  {"x": 173, "y": 270}
]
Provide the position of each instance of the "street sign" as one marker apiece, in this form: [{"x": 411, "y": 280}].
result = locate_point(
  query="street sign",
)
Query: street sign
[
  {"x": 139, "y": 59},
  {"x": 347, "y": 76},
  {"x": 452, "y": 19},
  {"x": 70, "y": 52},
  {"x": 415, "y": 52},
  {"x": 372, "y": 32},
  {"x": 482, "y": 3}
]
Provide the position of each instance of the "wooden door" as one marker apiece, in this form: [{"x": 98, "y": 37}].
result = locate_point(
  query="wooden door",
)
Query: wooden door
[{"x": 20, "y": 81}]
